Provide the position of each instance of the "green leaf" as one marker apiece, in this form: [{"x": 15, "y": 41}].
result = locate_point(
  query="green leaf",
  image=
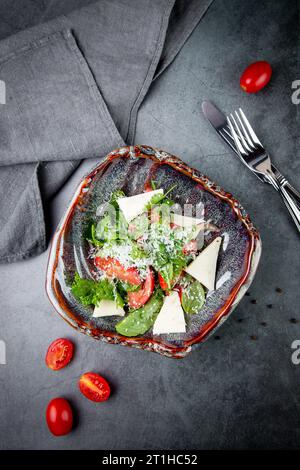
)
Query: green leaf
[
  {"x": 106, "y": 229},
  {"x": 139, "y": 226},
  {"x": 125, "y": 287},
  {"x": 159, "y": 198},
  {"x": 193, "y": 298},
  {"x": 167, "y": 273},
  {"x": 92, "y": 236},
  {"x": 137, "y": 322},
  {"x": 90, "y": 292},
  {"x": 116, "y": 195},
  {"x": 153, "y": 184}
]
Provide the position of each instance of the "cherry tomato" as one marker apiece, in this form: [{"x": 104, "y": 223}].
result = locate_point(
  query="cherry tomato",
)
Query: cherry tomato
[
  {"x": 59, "y": 354},
  {"x": 94, "y": 387},
  {"x": 190, "y": 247},
  {"x": 113, "y": 268},
  {"x": 256, "y": 76},
  {"x": 163, "y": 284},
  {"x": 138, "y": 298},
  {"x": 59, "y": 416}
]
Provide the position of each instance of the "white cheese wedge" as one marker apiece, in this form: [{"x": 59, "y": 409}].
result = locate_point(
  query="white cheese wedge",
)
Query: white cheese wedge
[
  {"x": 135, "y": 205},
  {"x": 171, "y": 317},
  {"x": 203, "y": 268},
  {"x": 108, "y": 308}
]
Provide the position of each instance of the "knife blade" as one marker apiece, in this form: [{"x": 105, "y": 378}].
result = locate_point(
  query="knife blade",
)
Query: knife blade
[{"x": 219, "y": 122}]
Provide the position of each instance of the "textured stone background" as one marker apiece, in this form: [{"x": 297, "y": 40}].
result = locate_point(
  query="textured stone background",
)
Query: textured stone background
[{"x": 234, "y": 392}]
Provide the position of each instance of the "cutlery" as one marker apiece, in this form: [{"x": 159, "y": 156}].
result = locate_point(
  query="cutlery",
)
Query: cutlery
[
  {"x": 255, "y": 156},
  {"x": 219, "y": 122}
]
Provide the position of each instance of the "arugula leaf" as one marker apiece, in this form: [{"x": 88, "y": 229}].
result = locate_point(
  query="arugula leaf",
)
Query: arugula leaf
[
  {"x": 159, "y": 198},
  {"x": 92, "y": 236},
  {"x": 153, "y": 184},
  {"x": 116, "y": 195},
  {"x": 90, "y": 292},
  {"x": 167, "y": 273}
]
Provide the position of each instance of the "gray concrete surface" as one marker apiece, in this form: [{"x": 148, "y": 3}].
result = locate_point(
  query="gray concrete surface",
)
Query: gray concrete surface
[{"x": 234, "y": 392}]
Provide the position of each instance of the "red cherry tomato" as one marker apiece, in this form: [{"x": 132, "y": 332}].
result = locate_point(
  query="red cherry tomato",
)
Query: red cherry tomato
[
  {"x": 162, "y": 282},
  {"x": 113, "y": 268},
  {"x": 59, "y": 416},
  {"x": 256, "y": 76},
  {"x": 94, "y": 387},
  {"x": 138, "y": 298},
  {"x": 59, "y": 354}
]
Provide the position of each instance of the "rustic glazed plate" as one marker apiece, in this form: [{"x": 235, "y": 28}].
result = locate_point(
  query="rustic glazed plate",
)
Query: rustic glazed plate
[{"x": 130, "y": 168}]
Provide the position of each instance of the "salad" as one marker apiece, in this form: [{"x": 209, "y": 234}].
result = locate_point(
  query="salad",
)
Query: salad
[{"x": 149, "y": 266}]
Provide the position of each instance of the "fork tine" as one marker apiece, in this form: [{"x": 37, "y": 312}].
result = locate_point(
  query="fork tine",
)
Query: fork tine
[
  {"x": 228, "y": 137},
  {"x": 245, "y": 132},
  {"x": 250, "y": 129},
  {"x": 240, "y": 134},
  {"x": 235, "y": 137}
]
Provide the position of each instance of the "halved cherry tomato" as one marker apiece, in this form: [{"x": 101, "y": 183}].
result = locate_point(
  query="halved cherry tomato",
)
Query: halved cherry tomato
[
  {"x": 163, "y": 284},
  {"x": 138, "y": 298},
  {"x": 113, "y": 268},
  {"x": 59, "y": 354},
  {"x": 94, "y": 387},
  {"x": 256, "y": 76},
  {"x": 59, "y": 416},
  {"x": 190, "y": 247}
]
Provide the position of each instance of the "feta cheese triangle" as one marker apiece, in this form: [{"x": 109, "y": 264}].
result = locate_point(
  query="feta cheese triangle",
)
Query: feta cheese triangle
[
  {"x": 203, "y": 268},
  {"x": 108, "y": 308},
  {"x": 133, "y": 206},
  {"x": 171, "y": 317}
]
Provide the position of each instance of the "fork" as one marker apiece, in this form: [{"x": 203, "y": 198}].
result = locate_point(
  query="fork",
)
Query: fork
[{"x": 254, "y": 155}]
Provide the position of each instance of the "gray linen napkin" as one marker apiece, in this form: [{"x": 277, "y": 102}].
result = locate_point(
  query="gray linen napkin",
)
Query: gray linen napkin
[{"x": 73, "y": 89}]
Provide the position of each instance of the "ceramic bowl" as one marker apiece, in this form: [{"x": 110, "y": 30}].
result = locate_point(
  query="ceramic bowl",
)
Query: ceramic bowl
[{"x": 130, "y": 168}]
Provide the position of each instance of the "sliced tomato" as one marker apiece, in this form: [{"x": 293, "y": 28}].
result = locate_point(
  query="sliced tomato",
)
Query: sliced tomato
[
  {"x": 138, "y": 298},
  {"x": 94, "y": 387},
  {"x": 190, "y": 247},
  {"x": 59, "y": 416},
  {"x": 59, "y": 354},
  {"x": 113, "y": 268},
  {"x": 163, "y": 284}
]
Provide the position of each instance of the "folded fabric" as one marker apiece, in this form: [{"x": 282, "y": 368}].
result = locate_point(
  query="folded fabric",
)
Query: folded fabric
[{"x": 73, "y": 89}]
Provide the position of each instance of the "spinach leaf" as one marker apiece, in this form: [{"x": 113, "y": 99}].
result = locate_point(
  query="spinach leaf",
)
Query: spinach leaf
[
  {"x": 139, "y": 321},
  {"x": 193, "y": 298}
]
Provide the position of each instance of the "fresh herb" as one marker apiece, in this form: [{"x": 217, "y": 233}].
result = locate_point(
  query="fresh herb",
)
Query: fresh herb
[
  {"x": 167, "y": 272},
  {"x": 90, "y": 292},
  {"x": 160, "y": 198},
  {"x": 153, "y": 184},
  {"x": 92, "y": 236},
  {"x": 115, "y": 196}
]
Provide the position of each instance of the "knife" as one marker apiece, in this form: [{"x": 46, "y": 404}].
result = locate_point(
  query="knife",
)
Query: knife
[{"x": 219, "y": 122}]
